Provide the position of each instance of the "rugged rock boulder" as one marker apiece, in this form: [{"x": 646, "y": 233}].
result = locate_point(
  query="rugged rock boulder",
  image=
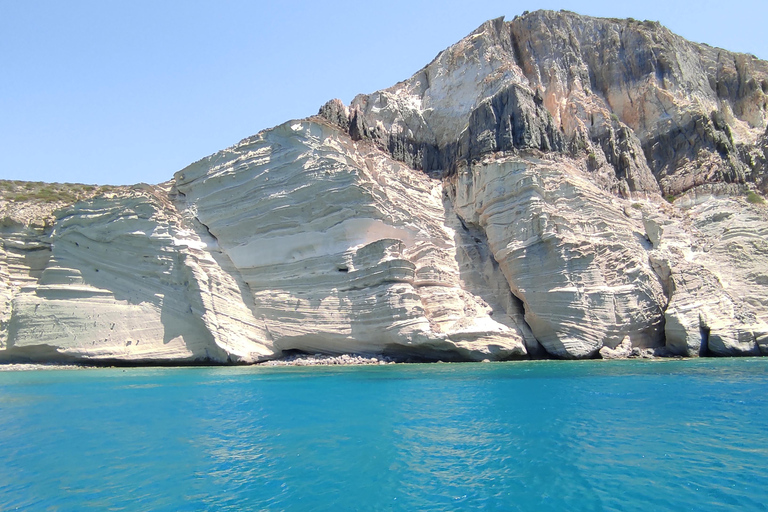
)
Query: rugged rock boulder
[{"x": 507, "y": 201}]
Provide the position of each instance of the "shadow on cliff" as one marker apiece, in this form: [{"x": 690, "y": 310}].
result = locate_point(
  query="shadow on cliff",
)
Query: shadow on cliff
[{"x": 481, "y": 276}]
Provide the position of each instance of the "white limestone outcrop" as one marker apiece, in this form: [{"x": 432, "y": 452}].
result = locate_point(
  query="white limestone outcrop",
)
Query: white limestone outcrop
[
  {"x": 123, "y": 281},
  {"x": 713, "y": 260},
  {"x": 343, "y": 249},
  {"x": 504, "y": 202},
  {"x": 568, "y": 251}
]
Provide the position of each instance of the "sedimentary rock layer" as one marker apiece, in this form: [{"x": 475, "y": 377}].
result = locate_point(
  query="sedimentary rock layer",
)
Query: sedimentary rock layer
[
  {"x": 343, "y": 249},
  {"x": 119, "y": 278},
  {"x": 553, "y": 186}
]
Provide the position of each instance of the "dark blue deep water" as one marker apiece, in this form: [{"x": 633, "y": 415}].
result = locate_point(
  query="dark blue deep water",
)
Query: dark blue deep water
[{"x": 593, "y": 435}]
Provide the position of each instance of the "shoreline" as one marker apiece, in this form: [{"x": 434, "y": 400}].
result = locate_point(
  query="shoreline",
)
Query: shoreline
[
  {"x": 295, "y": 358},
  {"x": 329, "y": 360},
  {"x": 304, "y": 360},
  {"x": 290, "y": 360}
]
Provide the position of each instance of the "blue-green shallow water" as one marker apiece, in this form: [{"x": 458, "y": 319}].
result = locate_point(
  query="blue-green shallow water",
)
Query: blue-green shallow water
[{"x": 669, "y": 435}]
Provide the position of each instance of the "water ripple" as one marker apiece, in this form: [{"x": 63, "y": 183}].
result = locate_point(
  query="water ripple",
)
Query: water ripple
[{"x": 677, "y": 435}]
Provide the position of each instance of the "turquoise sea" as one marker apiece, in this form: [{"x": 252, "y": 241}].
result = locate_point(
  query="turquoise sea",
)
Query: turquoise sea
[{"x": 550, "y": 435}]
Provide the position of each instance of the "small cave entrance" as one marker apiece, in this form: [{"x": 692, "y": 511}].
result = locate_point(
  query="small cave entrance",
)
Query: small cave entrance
[
  {"x": 518, "y": 304},
  {"x": 704, "y": 347},
  {"x": 535, "y": 349}
]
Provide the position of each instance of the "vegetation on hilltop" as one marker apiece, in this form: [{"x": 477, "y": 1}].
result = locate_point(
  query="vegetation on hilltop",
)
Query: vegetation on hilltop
[{"x": 40, "y": 192}]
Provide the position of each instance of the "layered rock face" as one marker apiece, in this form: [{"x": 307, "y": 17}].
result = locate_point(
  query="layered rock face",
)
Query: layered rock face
[
  {"x": 343, "y": 249},
  {"x": 507, "y": 201},
  {"x": 713, "y": 263},
  {"x": 120, "y": 278}
]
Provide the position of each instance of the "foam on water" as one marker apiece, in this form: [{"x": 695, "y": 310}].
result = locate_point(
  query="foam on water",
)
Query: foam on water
[{"x": 592, "y": 435}]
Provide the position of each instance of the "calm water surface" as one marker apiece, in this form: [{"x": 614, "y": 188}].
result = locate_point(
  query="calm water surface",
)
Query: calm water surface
[{"x": 592, "y": 435}]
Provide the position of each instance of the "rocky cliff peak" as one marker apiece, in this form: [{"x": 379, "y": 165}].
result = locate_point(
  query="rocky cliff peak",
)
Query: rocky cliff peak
[{"x": 646, "y": 110}]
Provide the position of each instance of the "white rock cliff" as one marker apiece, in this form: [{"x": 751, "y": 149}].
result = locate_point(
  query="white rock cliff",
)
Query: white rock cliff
[{"x": 505, "y": 202}]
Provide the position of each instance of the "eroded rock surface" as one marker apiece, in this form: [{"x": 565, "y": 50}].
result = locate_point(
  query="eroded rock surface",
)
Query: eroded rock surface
[
  {"x": 509, "y": 200},
  {"x": 119, "y": 278},
  {"x": 567, "y": 250},
  {"x": 343, "y": 249},
  {"x": 713, "y": 259}
]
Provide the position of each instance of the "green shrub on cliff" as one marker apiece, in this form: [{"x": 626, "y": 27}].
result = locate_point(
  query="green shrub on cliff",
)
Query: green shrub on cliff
[{"x": 39, "y": 192}]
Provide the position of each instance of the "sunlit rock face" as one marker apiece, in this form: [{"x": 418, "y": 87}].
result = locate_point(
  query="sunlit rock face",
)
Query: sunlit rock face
[
  {"x": 650, "y": 111},
  {"x": 713, "y": 258},
  {"x": 567, "y": 250},
  {"x": 556, "y": 150},
  {"x": 120, "y": 279},
  {"x": 343, "y": 249},
  {"x": 552, "y": 186}
]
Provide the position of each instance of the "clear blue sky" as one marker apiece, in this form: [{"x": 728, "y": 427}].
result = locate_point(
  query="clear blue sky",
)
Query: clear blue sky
[{"x": 124, "y": 92}]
